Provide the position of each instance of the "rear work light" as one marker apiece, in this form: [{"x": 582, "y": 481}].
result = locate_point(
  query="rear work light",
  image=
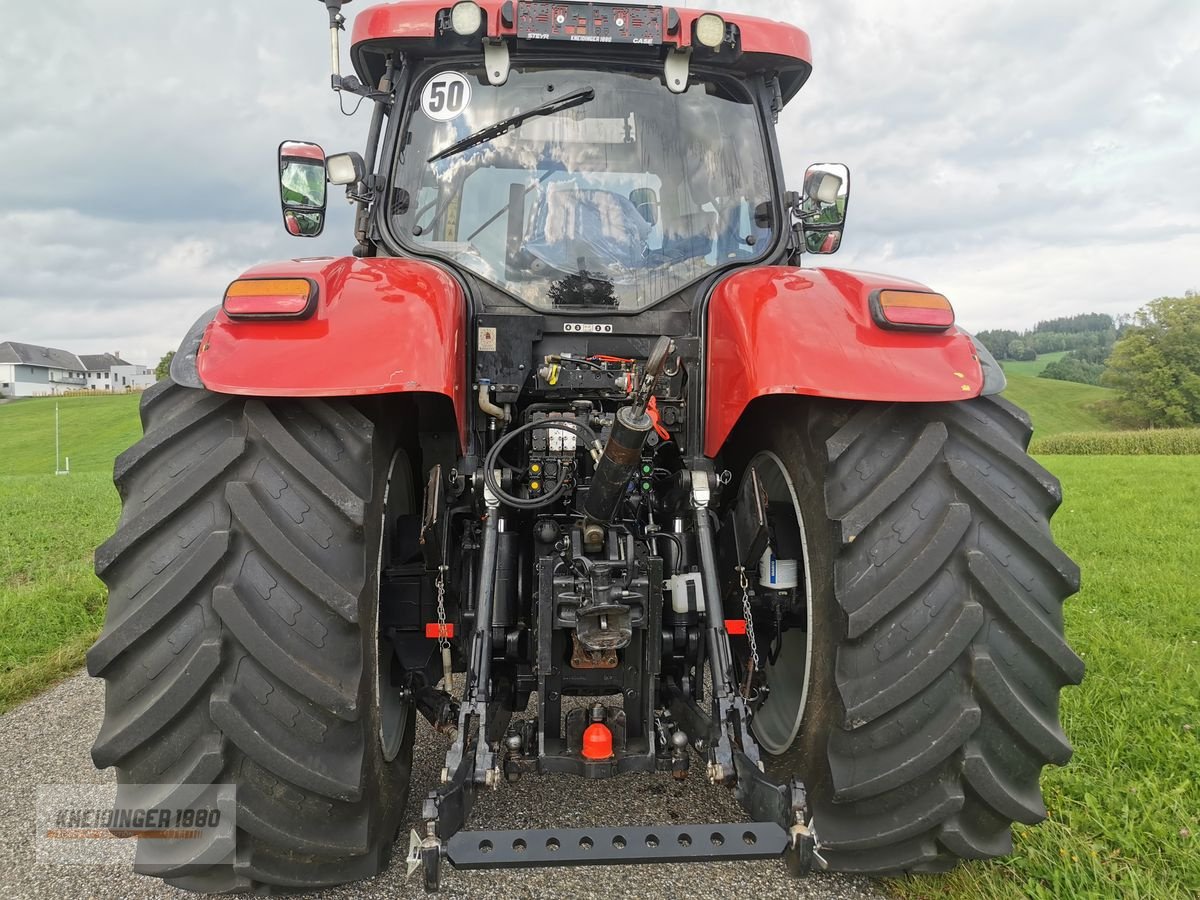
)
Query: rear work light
[
  {"x": 911, "y": 311},
  {"x": 466, "y": 18},
  {"x": 270, "y": 298},
  {"x": 710, "y": 30}
]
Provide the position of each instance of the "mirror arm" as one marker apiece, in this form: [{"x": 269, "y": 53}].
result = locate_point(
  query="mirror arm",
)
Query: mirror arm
[
  {"x": 372, "y": 184},
  {"x": 776, "y": 98},
  {"x": 351, "y": 85}
]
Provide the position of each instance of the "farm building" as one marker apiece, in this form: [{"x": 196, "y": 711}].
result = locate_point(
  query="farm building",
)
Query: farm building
[{"x": 28, "y": 370}]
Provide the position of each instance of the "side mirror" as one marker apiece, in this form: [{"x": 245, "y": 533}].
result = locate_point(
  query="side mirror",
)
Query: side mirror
[
  {"x": 302, "y": 192},
  {"x": 822, "y": 207}
]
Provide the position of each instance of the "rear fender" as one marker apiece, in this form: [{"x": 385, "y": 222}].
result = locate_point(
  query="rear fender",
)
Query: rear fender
[
  {"x": 380, "y": 326},
  {"x": 778, "y": 330}
]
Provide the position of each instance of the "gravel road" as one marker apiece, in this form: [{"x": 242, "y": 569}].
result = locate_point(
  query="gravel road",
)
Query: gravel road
[{"x": 46, "y": 741}]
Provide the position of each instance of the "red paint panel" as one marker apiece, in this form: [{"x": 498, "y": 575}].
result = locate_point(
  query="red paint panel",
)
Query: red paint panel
[
  {"x": 434, "y": 631},
  {"x": 417, "y": 18},
  {"x": 735, "y": 626},
  {"x": 779, "y": 330},
  {"x": 381, "y": 326}
]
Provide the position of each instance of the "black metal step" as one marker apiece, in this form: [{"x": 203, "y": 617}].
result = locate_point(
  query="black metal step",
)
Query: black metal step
[{"x": 616, "y": 846}]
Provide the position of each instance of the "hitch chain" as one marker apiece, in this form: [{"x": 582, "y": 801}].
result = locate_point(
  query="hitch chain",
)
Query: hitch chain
[
  {"x": 443, "y": 641},
  {"x": 748, "y": 614}
]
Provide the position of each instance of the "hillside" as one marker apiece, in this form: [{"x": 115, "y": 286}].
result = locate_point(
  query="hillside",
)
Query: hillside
[
  {"x": 1012, "y": 367},
  {"x": 1057, "y": 407},
  {"x": 93, "y": 431}
]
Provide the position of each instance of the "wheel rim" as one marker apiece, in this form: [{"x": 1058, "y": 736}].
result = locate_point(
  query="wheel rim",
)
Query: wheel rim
[
  {"x": 777, "y": 721},
  {"x": 393, "y": 710}
]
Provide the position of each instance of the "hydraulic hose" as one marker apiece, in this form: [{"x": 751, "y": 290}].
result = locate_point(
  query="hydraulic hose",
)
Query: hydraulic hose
[{"x": 493, "y": 457}]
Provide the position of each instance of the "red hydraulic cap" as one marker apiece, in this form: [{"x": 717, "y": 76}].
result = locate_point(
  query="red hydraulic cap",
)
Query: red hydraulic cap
[{"x": 597, "y": 742}]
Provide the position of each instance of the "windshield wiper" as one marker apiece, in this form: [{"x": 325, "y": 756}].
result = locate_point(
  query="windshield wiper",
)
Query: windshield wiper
[{"x": 491, "y": 132}]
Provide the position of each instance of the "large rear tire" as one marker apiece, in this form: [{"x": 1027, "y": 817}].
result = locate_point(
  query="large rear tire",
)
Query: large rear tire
[
  {"x": 921, "y": 703},
  {"x": 241, "y": 645}
]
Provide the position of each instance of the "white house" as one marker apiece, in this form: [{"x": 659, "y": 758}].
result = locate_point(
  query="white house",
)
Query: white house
[
  {"x": 108, "y": 372},
  {"x": 27, "y": 370}
]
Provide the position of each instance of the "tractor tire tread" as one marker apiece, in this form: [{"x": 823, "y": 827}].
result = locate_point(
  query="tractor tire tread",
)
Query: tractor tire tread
[{"x": 233, "y": 650}]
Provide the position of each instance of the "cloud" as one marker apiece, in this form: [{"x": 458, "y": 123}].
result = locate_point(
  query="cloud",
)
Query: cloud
[{"x": 1029, "y": 159}]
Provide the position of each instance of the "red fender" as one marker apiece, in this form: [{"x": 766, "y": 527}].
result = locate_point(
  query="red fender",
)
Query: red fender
[
  {"x": 780, "y": 330},
  {"x": 381, "y": 326}
]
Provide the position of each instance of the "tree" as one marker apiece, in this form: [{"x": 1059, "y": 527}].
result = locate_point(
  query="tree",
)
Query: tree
[
  {"x": 164, "y": 366},
  {"x": 1072, "y": 368},
  {"x": 1020, "y": 350},
  {"x": 1156, "y": 363},
  {"x": 997, "y": 341},
  {"x": 1081, "y": 323}
]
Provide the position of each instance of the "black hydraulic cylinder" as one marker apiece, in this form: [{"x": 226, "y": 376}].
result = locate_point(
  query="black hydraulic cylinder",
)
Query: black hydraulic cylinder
[
  {"x": 504, "y": 605},
  {"x": 621, "y": 456}
]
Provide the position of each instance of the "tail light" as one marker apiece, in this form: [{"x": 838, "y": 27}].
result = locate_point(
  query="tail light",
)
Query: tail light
[
  {"x": 270, "y": 298},
  {"x": 911, "y": 311}
]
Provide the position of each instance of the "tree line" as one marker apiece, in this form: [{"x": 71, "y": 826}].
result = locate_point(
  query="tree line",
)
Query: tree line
[{"x": 1151, "y": 358}]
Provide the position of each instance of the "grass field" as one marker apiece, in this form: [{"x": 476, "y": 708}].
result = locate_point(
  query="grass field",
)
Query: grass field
[
  {"x": 51, "y": 605},
  {"x": 93, "y": 431},
  {"x": 1031, "y": 369},
  {"x": 1057, "y": 407}
]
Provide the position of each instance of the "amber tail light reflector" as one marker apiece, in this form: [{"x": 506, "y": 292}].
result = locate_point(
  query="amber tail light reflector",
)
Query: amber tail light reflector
[
  {"x": 911, "y": 311},
  {"x": 270, "y": 298}
]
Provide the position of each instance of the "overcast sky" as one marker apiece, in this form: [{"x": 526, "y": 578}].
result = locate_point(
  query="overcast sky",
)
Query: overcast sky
[{"x": 1029, "y": 159}]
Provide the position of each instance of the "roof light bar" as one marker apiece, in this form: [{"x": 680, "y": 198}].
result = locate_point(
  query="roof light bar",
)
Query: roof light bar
[
  {"x": 911, "y": 311},
  {"x": 270, "y": 298}
]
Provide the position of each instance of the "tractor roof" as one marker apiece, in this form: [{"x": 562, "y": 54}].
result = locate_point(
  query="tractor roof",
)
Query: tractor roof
[{"x": 413, "y": 26}]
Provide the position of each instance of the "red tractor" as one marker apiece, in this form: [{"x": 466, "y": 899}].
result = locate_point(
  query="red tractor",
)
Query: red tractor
[{"x": 573, "y": 434}]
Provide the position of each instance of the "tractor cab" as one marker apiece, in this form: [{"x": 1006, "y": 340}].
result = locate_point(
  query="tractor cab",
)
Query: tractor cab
[{"x": 577, "y": 156}]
